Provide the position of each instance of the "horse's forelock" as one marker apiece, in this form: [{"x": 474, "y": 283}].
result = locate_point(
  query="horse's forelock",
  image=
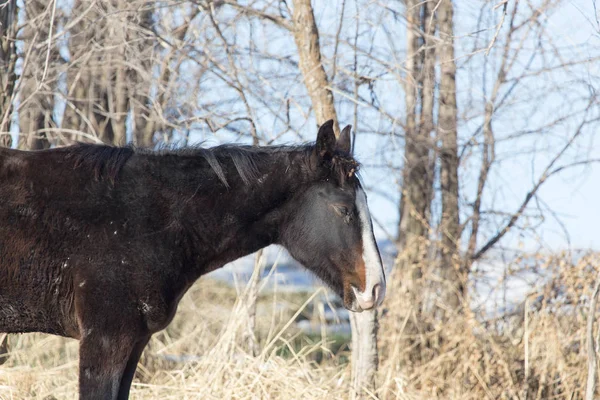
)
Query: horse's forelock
[{"x": 341, "y": 167}]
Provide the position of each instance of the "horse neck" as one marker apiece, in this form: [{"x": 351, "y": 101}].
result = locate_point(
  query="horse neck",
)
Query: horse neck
[{"x": 223, "y": 223}]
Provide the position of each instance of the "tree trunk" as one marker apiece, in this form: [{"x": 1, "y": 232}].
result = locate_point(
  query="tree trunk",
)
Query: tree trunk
[
  {"x": 306, "y": 36},
  {"x": 447, "y": 132},
  {"x": 87, "y": 93},
  {"x": 8, "y": 62},
  {"x": 427, "y": 79},
  {"x": 417, "y": 183},
  {"x": 145, "y": 123},
  {"x": 364, "y": 325},
  {"x": 251, "y": 300},
  {"x": 365, "y": 354},
  {"x": 119, "y": 107},
  {"x": 417, "y": 174},
  {"x": 97, "y": 75},
  {"x": 38, "y": 79}
]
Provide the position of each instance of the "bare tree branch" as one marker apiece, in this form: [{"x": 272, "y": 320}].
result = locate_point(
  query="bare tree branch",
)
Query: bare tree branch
[{"x": 547, "y": 173}]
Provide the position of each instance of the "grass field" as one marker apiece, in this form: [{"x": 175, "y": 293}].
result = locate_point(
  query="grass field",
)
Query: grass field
[
  {"x": 534, "y": 352},
  {"x": 201, "y": 355}
]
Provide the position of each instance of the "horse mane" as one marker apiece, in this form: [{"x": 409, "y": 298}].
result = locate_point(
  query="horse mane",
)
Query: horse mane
[
  {"x": 107, "y": 161},
  {"x": 103, "y": 161},
  {"x": 243, "y": 157},
  {"x": 344, "y": 166}
]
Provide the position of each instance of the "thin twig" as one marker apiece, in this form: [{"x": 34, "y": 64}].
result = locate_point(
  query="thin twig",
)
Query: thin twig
[
  {"x": 526, "y": 347},
  {"x": 591, "y": 377},
  {"x": 504, "y": 3},
  {"x": 49, "y": 45},
  {"x": 337, "y": 41},
  {"x": 548, "y": 172}
]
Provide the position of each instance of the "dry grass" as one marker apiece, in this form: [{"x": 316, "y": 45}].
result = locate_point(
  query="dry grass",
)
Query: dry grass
[
  {"x": 199, "y": 356},
  {"x": 538, "y": 356},
  {"x": 537, "y": 351}
]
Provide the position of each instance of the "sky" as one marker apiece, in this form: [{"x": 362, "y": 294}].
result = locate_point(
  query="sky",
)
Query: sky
[
  {"x": 573, "y": 195},
  {"x": 571, "y": 198}
]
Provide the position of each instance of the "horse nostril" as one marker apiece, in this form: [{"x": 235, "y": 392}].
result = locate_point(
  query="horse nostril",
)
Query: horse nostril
[
  {"x": 376, "y": 291},
  {"x": 370, "y": 298}
]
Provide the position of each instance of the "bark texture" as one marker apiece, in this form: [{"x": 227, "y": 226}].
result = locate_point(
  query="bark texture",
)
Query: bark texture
[
  {"x": 364, "y": 325},
  {"x": 38, "y": 84},
  {"x": 8, "y": 62},
  {"x": 139, "y": 96},
  {"x": 91, "y": 76},
  {"x": 104, "y": 86},
  {"x": 417, "y": 174},
  {"x": 306, "y": 36},
  {"x": 447, "y": 132}
]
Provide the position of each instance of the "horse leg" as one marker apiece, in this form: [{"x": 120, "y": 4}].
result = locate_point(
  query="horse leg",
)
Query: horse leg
[
  {"x": 130, "y": 368},
  {"x": 102, "y": 362}
]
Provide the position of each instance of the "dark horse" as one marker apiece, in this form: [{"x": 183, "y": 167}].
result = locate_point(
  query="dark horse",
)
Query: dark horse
[{"x": 100, "y": 243}]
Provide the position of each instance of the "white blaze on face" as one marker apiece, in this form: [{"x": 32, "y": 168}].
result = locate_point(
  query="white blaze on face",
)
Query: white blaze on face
[{"x": 375, "y": 279}]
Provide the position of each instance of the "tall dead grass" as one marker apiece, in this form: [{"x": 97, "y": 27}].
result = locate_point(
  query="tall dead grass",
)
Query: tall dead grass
[
  {"x": 536, "y": 350},
  {"x": 199, "y": 356}
]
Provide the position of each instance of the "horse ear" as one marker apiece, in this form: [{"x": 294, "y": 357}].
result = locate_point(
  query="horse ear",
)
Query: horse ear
[
  {"x": 344, "y": 143},
  {"x": 326, "y": 140}
]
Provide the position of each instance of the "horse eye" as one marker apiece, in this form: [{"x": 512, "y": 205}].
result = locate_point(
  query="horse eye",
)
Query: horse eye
[{"x": 342, "y": 211}]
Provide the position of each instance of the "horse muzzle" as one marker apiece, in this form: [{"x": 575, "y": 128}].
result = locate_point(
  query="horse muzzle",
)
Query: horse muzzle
[{"x": 372, "y": 297}]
